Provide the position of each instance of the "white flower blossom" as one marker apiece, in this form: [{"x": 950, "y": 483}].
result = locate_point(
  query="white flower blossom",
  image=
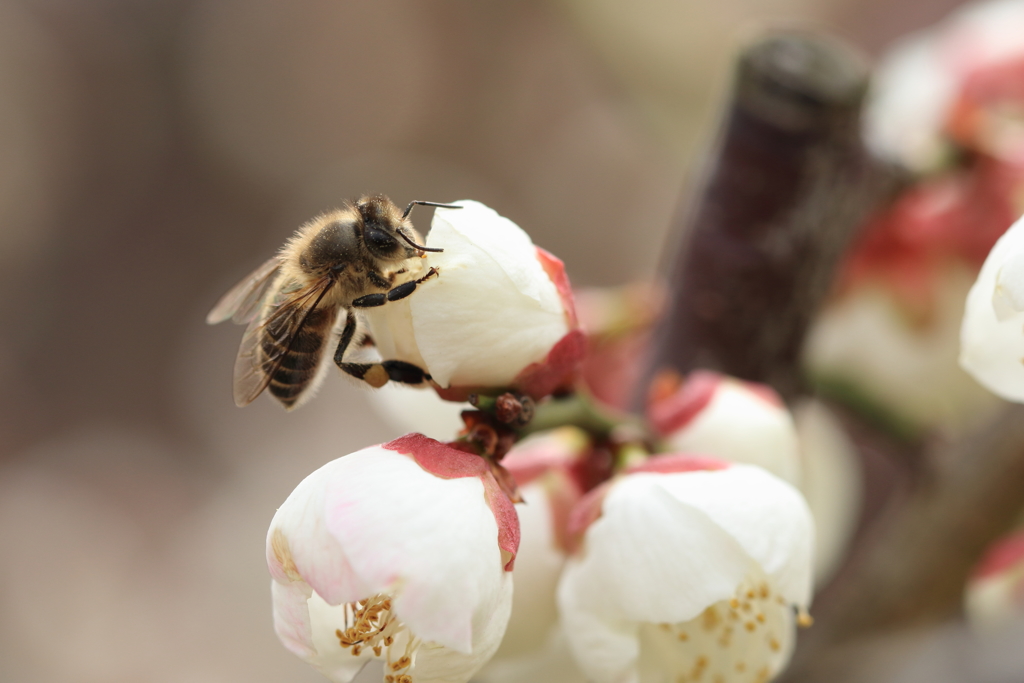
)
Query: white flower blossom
[
  {"x": 908, "y": 370},
  {"x": 543, "y": 467},
  {"x": 409, "y": 409},
  {"x": 743, "y": 422},
  {"x": 499, "y": 314},
  {"x": 992, "y": 333},
  {"x": 688, "y": 574},
  {"x": 832, "y": 484},
  {"x": 712, "y": 414},
  {"x": 400, "y": 552}
]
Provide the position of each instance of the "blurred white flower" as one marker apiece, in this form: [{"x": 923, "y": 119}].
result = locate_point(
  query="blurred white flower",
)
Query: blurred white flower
[
  {"x": 994, "y": 596},
  {"x": 906, "y": 368},
  {"x": 544, "y": 468},
  {"x": 915, "y": 86},
  {"x": 413, "y": 409},
  {"x": 743, "y": 422},
  {"x": 687, "y": 573},
  {"x": 552, "y": 662},
  {"x": 832, "y": 484},
  {"x": 992, "y": 333},
  {"x": 500, "y": 314},
  {"x": 400, "y": 552}
]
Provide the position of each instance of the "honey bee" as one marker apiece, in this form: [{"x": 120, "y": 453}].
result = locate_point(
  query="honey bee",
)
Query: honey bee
[{"x": 364, "y": 254}]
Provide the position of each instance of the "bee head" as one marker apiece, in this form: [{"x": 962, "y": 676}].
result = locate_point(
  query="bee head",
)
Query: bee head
[{"x": 386, "y": 232}]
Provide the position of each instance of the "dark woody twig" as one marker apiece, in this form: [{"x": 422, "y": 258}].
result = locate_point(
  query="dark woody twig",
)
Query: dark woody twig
[{"x": 787, "y": 186}]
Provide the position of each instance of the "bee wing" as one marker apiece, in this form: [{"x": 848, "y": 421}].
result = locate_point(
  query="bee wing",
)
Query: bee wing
[
  {"x": 282, "y": 319},
  {"x": 243, "y": 301}
]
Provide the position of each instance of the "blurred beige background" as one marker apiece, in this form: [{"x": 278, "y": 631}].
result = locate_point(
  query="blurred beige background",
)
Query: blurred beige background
[{"x": 152, "y": 152}]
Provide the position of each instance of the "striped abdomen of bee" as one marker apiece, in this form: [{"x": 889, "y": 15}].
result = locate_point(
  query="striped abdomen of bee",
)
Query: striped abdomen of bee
[{"x": 293, "y": 362}]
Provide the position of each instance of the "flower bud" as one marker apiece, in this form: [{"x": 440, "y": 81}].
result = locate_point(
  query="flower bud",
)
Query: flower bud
[
  {"x": 499, "y": 315},
  {"x": 712, "y": 414},
  {"x": 400, "y": 552}
]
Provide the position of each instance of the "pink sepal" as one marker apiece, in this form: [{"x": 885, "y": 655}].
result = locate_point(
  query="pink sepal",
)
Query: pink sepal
[
  {"x": 556, "y": 469},
  {"x": 583, "y": 514},
  {"x": 446, "y": 462},
  {"x": 675, "y": 411},
  {"x": 538, "y": 380},
  {"x": 555, "y": 270}
]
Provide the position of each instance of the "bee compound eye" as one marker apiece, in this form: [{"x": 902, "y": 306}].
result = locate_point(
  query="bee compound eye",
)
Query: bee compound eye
[{"x": 379, "y": 241}]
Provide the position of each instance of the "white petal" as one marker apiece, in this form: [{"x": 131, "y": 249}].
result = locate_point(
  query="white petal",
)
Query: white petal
[
  {"x": 832, "y": 484},
  {"x": 605, "y": 647},
  {"x": 652, "y": 557},
  {"x": 430, "y": 542},
  {"x": 766, "y": 516},
  {"x": 915, "y": 83},
  {"x": 409, "y": 410},
  {"x": 478, "y": 323},
  {"x": 741, "y": 426},
  {"x": 504, "y": 242},
  {"x": 299, "y": 547},
  {"x": 491, "y": 311},
  {"x": 992, "y": 349},
  {"x": 291, "y": 617},
  {"x": 444, "y": 665},
  {"x": 392, "y": 331},
  {"x": 538, "y": 566},
  {"x": 431, "y": 662},
  {"x": 1009, "y": 295}
]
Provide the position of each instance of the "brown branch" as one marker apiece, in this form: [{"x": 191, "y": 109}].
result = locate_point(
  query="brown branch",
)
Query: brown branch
[{"x": 787, "y": 186}]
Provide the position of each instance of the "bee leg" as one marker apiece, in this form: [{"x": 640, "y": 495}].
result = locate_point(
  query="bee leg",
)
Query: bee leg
[
  {"x": 379, "y": 374},
  {"x": 346, "y": 338},
  {"x": 375, "y": 374},
  {"x": 400, "y": 292}
]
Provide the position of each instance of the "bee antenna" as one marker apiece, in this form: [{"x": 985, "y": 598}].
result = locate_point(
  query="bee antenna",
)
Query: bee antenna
[
  {"x": 408, "y": 209},
  {"x": 418, "y": 246}
]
